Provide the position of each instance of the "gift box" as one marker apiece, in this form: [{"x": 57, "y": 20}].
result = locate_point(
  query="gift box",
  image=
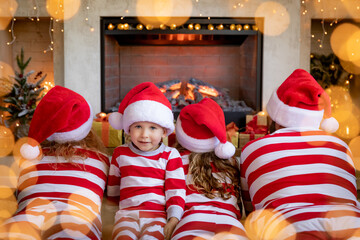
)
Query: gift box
[
  {"x": 232, "y": 134},
  {"x": 261, "y": 119},
  {"x": 111, "y": 137},
  {"x": 256, "y": 127},
  {"x": 244, "y": 138}
]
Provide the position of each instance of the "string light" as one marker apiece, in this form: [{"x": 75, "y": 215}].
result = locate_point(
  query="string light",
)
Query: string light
[
  {"x": 88, "y": 7},
  {"x": 51, "y": 30},
  {"x": 190, "y": 26},
  {"x": 12, "y": 32}
]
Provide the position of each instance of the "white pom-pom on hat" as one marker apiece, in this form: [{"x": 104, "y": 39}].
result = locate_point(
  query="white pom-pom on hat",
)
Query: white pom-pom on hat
[
  {"x": 301, "y": 102},
  {"x": 225, "y": 150},
  {"x": 329, "y": 125},
  {"x": 29, "y": 152},
  {"x": 115, "y": 120}
]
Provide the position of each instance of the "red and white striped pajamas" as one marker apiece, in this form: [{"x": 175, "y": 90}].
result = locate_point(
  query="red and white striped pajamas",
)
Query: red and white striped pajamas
[
  {"x": 59, "y": 200},
  {"x": 206, "y": 218},
  {"x": 303, "y": 179},
  {"x": 149, "y": 187}
]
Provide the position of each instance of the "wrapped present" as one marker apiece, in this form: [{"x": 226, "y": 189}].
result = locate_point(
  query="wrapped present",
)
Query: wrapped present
[
  {"x": 261, "y": 119},
  {"x": 232, "y": 134},
  {"x": 111, "y": 137},
  {"x": 256, "y": 126},
  {"x": 244, "y": 138}
]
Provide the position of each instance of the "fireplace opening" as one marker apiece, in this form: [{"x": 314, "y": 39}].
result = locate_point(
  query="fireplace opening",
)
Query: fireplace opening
[{"x": 225, "y": 65}]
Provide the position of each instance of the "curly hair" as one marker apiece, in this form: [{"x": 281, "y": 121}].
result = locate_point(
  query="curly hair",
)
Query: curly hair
[
  {"x": 202, "y": 175},
  {"x": 69, "y": 151}
]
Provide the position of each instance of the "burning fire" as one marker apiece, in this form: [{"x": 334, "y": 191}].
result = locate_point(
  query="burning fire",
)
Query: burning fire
[{"x": 188, "y": 90}]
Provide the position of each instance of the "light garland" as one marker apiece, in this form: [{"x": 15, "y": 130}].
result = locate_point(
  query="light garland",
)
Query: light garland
[
  {"x": 92, "y": 29},
  {"x": 12, "y": 32},
  {"x": 190, "y": 26},
  {"x": 51, "y": 30}
]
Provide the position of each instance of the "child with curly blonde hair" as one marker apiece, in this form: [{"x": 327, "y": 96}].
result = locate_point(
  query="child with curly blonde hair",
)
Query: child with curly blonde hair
[
  {"x": 212, "y": 206},
  {"x": 60, "y": 188}
]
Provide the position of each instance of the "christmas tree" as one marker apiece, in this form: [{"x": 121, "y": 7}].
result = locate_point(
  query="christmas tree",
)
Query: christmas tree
[
  {"x": 21, "y": 102},
  {"x": 327, "y": 70}
]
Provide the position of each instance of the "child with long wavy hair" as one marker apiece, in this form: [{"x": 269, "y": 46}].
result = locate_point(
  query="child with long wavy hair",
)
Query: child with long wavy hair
[
  {"x": 212, "y": 206},
  {"x": 61, "y": 184}
]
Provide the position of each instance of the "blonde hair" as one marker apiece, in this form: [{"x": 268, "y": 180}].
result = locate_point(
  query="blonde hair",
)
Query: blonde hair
[
  {"x": 202, "y": 175},
  {"x": 69, "y": 151}
]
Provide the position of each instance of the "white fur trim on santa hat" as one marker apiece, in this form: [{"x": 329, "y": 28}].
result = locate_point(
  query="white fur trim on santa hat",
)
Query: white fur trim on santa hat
[
  {"x": 225, "y": 150},
  {"x": 148, "y": 111},
  {"x": 329, "y": 125},
  {"x": 115, "y": 120},
  {"x": 29, "y": 152},
  {"x": 74, "y": 135},
  {"x": 288, "y": 116},
  {"x": 193, "y": 144}
]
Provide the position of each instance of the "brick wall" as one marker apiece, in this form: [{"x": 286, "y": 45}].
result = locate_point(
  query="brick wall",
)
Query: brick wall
[
  {"x": 232, "y": 67},
  {"x": 34, "y": 38}
]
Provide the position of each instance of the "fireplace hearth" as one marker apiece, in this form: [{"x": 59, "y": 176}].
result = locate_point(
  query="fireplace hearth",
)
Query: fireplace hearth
[{"x": 225, "y": 60}]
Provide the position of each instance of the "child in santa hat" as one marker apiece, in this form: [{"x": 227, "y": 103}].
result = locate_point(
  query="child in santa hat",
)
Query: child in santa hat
[
  {"x": 146, "y": 177},
  {"x": 212, "y": 207},
  {"x": 300, "y": 180},
  {"x": 60, "y": 186}
]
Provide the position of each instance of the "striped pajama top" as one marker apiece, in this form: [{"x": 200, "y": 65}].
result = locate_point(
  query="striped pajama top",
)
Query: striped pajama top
[
  {"x": 147, "y": 180},
  {"x": 297, "y": 167},
  {"x": 80, "y": 185}
]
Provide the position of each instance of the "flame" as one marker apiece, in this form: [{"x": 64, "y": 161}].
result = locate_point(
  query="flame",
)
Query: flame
[
  {"x": 188, "y": 90},
  {"x": 208, "y": 91},
  {"x": 175, "y": 86}
]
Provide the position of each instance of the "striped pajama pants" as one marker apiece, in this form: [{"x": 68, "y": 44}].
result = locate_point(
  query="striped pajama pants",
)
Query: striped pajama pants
[
  {"x": 308, "y": 223},
  {"x": 206, "y": 225},
  {"x": 44, "y": 219},
  {"x": 139, "y": 224}
]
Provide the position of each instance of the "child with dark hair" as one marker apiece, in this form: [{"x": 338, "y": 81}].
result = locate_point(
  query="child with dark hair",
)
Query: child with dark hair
[
  {"x": 212, "y": 206},
  {"x": 299, "y": 181},
  {"x": 60, "y": 188}
]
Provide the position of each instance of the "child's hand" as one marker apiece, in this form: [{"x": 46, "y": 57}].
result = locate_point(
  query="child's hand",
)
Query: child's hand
[{"x": 169, "y": 227}]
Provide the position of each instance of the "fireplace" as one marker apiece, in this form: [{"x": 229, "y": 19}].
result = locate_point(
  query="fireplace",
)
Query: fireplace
[{"x": 224, "y": 54}]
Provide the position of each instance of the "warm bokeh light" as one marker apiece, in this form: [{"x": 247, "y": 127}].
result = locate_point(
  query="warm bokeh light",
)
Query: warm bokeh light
[
  {"x": 224, "y": 236},
  {"x": 7, "y": 141},
  {"x": 351, "y": 67},
  {"x": 267, "y": 224},
  {"x": 162, "y": 12},
  {"x": 8, "y": 181},
  {"x": 62, "y": 9},
  {"x": 277, "y": 18},
  {"x": 345, "y": 42},
  {"x": 340, "y": 101},
  {"x": 8, "y": 207},
  {"x": 354, "y": 146},
  {"x": 348, "y": 128},
  {"x": 19, "y": 143},
  {"x": 6, "y": 72},
  {"x": 339, "y": 212},
  {"x": 25, "y": 228},
  {"x": 7, "y": 11}
]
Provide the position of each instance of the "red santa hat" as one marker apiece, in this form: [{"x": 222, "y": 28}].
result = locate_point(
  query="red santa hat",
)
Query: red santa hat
[
  {"x": 143, "y": 103},
  {"x": 201, "y": 128},
  {"x": 62, "y": 116},
  {"x": 301, "y": 102}
]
